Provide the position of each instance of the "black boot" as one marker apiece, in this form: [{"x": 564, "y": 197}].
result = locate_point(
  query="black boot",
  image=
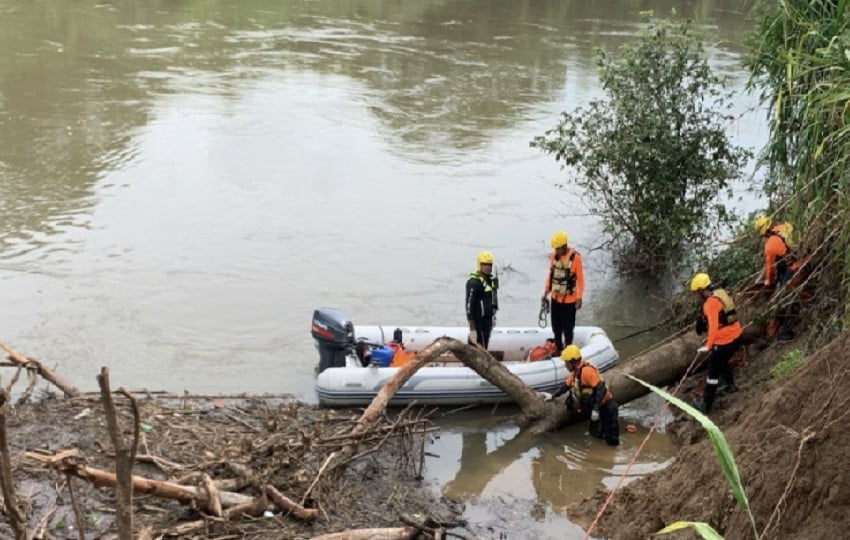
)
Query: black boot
[
  {"x": 728, "y": 388},
  {"x": 708, "y": 395}
]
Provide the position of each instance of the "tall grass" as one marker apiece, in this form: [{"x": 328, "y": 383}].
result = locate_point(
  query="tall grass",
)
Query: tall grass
[
  {"x": 724, "y": 456},
  {"x": 800, "y": 65}
]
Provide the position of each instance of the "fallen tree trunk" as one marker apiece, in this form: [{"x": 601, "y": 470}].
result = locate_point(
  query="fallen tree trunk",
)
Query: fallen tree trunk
[
  {"x": 664, "y": 363},
  {"x": 70, "y": 462},
  {"x": 475, "y": 357},
  {"x": 659, "y": 366}
]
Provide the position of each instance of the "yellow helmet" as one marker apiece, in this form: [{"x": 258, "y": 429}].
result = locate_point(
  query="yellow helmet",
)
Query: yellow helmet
[
  {"x": 761, "y": 224},
  {"x": 485, "y": 257},
  {"x": 571, "y": 353},
  {"x": 700, "y": 281},
  {"x": 559, "y": 239}
]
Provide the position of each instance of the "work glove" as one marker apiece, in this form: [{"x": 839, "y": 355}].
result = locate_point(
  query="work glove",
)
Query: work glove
[
  {"x": 594, "y": 415},
  {"x": 493, "y": 321},
  {"x": 702, "y": 349},
  {"x": 473, "y": 336},
  {"x": 546, "y": 396},
  {"x": 578, "y": 303}
]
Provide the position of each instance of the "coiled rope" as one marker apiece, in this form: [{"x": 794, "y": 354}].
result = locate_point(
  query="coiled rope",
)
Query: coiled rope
[{"x": 543, "y": 316}]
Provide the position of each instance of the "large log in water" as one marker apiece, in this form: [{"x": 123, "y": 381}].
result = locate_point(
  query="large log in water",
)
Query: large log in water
[
  {"x": 660, "y": 366},
  {"x": 474, "y": 357}
]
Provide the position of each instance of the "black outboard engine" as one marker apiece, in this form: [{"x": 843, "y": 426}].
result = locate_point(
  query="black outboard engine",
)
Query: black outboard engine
[{"x": 334, "y": 335}]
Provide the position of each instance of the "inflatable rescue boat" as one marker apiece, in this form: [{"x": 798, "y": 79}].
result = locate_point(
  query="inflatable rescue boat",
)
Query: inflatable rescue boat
[{"x": 356, "y": 361}]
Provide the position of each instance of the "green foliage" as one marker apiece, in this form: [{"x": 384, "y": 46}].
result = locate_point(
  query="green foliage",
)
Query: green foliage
[
  {"x": 799, "y": 62},
  {"x": 652, "y": 158},
  {"x": 787, "y": 364},
  {"x": 704, "y": 529},
  {"x": 718, "y": 443},
  {"x": 735, "y": 266}
]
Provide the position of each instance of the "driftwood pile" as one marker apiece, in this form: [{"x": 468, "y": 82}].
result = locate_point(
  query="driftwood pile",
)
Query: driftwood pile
[{"x": 156, "y": 465}]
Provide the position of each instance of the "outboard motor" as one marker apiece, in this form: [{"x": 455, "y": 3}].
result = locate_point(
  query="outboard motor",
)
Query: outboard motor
[{"x": 334, "y": 335}]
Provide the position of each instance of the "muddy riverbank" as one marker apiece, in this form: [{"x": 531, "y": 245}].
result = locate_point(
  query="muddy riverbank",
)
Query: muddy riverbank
[
  {"x": 790, "y": 443},
  {"x": 239, "y": 446}
]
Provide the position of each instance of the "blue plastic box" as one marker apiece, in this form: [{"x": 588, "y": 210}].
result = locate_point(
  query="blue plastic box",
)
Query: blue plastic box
[{"x": 382, "y": 356}]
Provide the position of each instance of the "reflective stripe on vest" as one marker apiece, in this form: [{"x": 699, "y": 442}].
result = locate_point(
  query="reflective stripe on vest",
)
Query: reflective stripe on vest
[{"x": 485, "y": 282}]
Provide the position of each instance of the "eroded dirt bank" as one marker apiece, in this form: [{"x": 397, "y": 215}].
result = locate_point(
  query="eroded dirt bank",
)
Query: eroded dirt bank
[{"x": 790, "y": 439}]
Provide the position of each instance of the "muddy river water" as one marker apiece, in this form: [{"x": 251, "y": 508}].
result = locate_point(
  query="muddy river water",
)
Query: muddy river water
[{"x": 182, "y": 183}]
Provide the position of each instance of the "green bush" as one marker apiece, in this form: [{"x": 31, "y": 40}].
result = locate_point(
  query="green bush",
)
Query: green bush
[
  {"x": 787, "y": 364},
  {"x": 652, "y": 158}
]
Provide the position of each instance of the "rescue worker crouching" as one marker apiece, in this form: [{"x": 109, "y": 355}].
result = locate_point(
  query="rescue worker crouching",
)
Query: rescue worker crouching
[
  {"x": 482, "y": 300},
  {"x": 585, "y": 384},
  {"x": 565, "y": 287},
  {"x": 723, "y": 339}
]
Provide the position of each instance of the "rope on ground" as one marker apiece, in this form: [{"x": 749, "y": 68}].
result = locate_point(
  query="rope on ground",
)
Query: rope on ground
[{"x": 638, "y": 451}]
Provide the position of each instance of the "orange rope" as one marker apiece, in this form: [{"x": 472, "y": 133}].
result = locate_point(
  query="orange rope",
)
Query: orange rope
[{"x": 638, "y": 451}]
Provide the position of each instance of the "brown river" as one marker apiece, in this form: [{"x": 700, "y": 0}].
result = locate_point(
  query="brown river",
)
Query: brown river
[{"x": 182, "y": 183}]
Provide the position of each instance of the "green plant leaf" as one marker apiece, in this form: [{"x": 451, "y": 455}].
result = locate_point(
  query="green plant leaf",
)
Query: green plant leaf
[
  {"x": 718, "y": 443},
  {"x": 787, "y": 364},
  {"x": 704, "y": 529}
]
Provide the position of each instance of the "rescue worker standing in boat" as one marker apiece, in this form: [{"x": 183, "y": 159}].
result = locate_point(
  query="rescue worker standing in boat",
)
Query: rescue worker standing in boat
[
  {"x": 565, "y": 287},
  {"x": 482, "y": 300},
  {"x": 723, "y": 340},
  {"x": 586, "y": 384}
]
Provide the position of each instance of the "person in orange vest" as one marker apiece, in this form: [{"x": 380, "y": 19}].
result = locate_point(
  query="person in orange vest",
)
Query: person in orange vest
[
  {"x": 482, "y": 300},
  {"x": 778, "y": 257},
  {"x": 565, "y": 287},
  {"x": 585, "y": 383},
  {"x": 723, "y": 340}
]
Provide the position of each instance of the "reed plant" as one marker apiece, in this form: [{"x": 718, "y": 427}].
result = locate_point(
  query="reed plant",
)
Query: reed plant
[{"x": 799, "y": 62}]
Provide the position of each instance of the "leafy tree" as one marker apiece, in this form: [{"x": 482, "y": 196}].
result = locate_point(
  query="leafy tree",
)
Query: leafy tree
[{"x": 653, "y": 157}]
